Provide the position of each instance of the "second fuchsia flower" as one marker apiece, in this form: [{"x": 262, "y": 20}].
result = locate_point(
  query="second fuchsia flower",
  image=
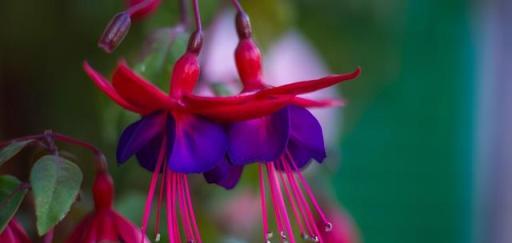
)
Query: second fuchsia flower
[
  {"x": 181, "y": 133},
  {"x": 284, "y": 141},
  {"x": 105, "y": 224}
]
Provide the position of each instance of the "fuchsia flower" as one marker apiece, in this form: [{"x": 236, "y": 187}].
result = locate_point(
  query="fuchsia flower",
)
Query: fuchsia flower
[
  {"x": 181, "y": 133},
  {"x": 14, "y": 233},
  {"x": 105, "y": 224},
  {"x": 283, "y": 141}
]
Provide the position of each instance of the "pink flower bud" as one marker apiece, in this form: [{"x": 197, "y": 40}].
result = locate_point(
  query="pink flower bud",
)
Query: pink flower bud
[
  {"x": 115, "y": 32},
  {"x": 103, "y": 191}
]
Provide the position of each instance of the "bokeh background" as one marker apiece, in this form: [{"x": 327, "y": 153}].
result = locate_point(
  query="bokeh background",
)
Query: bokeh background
[{"x": 422, "y": 151}]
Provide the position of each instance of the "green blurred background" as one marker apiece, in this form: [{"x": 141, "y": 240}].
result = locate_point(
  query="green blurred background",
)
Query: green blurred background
[{"x": 408, "y": 131}]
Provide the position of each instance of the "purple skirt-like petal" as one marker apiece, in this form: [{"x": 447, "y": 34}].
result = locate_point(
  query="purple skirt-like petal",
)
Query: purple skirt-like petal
[
  {"x": 306, "y": 139},
  {"x": 138, "y": 134},
  {"x": 224, "y": 174},
  {"x": 199, "y": 145},
  {"x": 148, "y": 155},
  {"x": 262, "y": 139}
]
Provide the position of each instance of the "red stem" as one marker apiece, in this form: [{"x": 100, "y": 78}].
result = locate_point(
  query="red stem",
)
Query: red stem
[
  {"x": 197, "y": 16},
  {"x": 47, "y": 136},
  {"x": 237, "y": 5}
]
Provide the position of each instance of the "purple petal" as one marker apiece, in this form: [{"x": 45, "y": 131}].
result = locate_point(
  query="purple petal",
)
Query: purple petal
[
  {"x": 198, "y": 145},
  {"x": 262, "y": 139},
  {"x": 138, "y": 134},
  {"x": 148, "y": 155},
  {"x": 224, "y": 174},
  {"x": 306, "y": 139}
]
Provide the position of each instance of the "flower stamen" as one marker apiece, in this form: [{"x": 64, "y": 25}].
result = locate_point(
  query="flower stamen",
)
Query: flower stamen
[
  {"x": 306, "y": 186},
  {"x": 266, "y": 233},
  {"x": 159, "y": 205},
  {"x": 152, "y": 185},
  {"x": 297, "y": 194}
]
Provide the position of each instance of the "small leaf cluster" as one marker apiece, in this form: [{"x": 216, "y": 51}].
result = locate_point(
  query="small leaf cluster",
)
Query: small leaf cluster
[{"x": 54, "y": 181}]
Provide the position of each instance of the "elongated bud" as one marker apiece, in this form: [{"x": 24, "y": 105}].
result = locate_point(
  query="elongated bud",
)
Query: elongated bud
[
  {"x": 103, "y": 190},
  {"x": 115, "y": 32},
  {"x": 247, "y": 55}
]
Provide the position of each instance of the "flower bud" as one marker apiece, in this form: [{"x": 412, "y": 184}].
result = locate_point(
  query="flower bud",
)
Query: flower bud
[
  {"x": 115, "y": 32},
  {"x": 103, "y": 190}
]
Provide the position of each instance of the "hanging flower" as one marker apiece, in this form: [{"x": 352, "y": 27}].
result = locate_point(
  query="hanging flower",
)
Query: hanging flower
[
  {"x": 283, "y": 142},
  {"x": 168, "y": 138},
  {"x": 104, "y": 224},
  {"x": 14, "y": 233}
]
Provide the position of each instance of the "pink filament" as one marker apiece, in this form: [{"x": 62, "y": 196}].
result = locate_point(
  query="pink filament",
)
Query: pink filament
[
  {"x": 185, "y": 218},
  {"x": 177, "y": 235},
  {"x": 191, "y": 209},
  {"x": 306, "y": 211},
  {"x": 160, "y": 199},
  {"x": 170, "y": 207},
  {"x": 263, "y": 203},
  {"x": 292, "y": 200},
  {"x": 280, "y": 200},
  {"x": 273, "y": 197},
  {"x": 152, "y": 185},
  {"x": 308, "y": 190}
]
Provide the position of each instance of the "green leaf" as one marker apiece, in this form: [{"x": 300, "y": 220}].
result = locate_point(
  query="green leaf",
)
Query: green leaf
[
  {"x": 55, "y": 183},
  {"x": 11, "y": 150},
  {"x": 12, "y": 193}
]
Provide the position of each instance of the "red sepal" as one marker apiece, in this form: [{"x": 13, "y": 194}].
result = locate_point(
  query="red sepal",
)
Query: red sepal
[
  {"x": 195, "y": 101},
  {"x": 104, "y": 85},
  {"x": 308, "y": 103},
  {"x": 139, "y": 92},
  {"x": 309, "y": 85},
  {"x": 244, "y": 111}
]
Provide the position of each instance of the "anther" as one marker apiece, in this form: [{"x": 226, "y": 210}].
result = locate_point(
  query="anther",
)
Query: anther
[
  {"x": 304, "y": 236},
  {"x": 243, "y": 25},
  {"x": 283, "y": 235},
  {"x": 315, "y": 238},
  {"x": 157, "y": 238},
  {"x": 328, "y": 227},
  {"x": 269, "y": 235}
]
